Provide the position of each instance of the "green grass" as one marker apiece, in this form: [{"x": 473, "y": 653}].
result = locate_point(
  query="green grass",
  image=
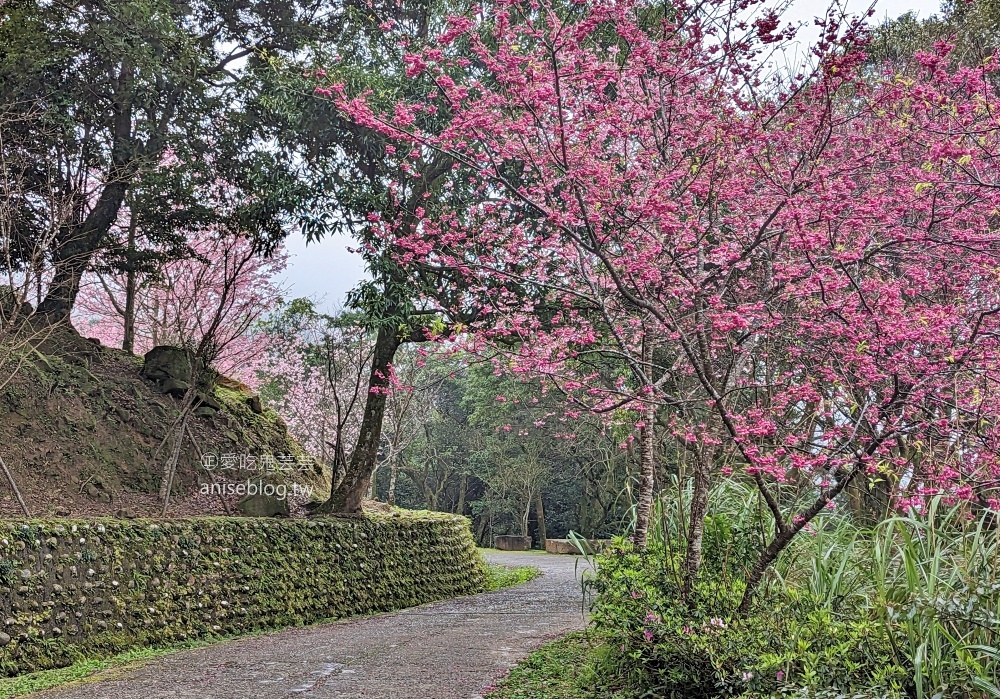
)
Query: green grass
[
  {"x": 85, "y": 669},
  {"x": 500, "y": 576},
  {"x": 530, "y": 552},
  {"x": 563, "y": 669},
  {"x": 81, "y": 670}
]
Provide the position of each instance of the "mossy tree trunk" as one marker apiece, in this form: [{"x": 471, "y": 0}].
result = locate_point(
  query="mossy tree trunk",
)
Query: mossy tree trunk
[
  {"x": 393, "y": 476},
  {"x": 704, "y": 455}
]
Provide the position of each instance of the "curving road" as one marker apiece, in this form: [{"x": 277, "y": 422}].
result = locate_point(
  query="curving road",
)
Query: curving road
[{"x": 451, "y": 649}]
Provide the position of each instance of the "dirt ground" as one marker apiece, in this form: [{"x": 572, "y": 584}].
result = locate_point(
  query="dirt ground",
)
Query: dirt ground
[{"x": 85, "y": 435}]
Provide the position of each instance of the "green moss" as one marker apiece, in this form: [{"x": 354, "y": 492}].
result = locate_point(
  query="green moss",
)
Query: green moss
[{"x": 74, "y": 590}]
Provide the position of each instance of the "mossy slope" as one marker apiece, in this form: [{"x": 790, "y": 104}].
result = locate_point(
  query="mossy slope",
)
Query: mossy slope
[{"x": 79, "y": 427}]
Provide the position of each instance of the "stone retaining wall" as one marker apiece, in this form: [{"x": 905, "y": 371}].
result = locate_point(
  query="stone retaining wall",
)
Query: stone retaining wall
[{"x": 73, "y": 589}]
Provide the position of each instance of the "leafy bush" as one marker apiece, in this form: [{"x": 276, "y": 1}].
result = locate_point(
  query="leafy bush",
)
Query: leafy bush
[
  {"x": 936, "y": 586},
  {"x": 662, "y": 645},
  {"x": 910, "y": 608},
  {"x": 930, "y": 582}
]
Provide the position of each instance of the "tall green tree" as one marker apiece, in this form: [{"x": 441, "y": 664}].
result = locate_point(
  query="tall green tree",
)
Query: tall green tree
[
  {"x": 371, "y": 180},
  {"x": 151, "y": 97},
  {"x": 970, "y": 27},
  {"x": 377, "y": 182}
]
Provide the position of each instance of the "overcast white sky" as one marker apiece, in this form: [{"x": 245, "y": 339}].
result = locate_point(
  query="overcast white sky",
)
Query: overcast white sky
[{"x": 326, "y": 271}]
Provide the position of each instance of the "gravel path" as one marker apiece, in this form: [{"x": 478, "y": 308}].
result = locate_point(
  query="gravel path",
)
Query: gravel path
[{"x": 451, "y": 649}]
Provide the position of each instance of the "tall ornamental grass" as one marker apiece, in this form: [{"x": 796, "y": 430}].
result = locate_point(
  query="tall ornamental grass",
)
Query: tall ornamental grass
[{"x": 935, "y": 584}]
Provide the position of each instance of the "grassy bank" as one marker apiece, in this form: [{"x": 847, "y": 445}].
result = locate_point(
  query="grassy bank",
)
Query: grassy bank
[{"x": 563, "y": 669}]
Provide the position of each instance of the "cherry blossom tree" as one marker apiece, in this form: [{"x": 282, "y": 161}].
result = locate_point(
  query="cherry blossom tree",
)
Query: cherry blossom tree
[
  {"x": 414, "y": 395},
  {"x": 314, "y": 374},
  {"x": 799, "y": 270},
  {"x": 213, "y": 297}
]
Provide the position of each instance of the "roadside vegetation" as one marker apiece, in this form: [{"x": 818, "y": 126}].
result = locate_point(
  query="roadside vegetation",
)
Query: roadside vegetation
[
  {"x": 905, "y": 608},
  {"x": 563, "y": 669},
  {"x": 501, "y": 576}
]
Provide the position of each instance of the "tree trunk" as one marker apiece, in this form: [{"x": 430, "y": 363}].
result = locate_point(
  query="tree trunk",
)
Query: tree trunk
[
  {"x": 463, "y": 489},
  {"x": 481, "y": 529},
  {"x": 766, "y": 558},
  {"x": 349, "y": 494},
  {"x": 786, "y": 533},
  {"x": 699, "y": 508},
  {"x": 128, "y": 343},
  {"x": 540, "y": 515},
  {"x": 65, "y": 287},
  {"x": 75, "y": 250},
  {"x": 525, "y": 517},
  {"x": 644, "y": 498},
  {"x": 393, "y": 476},
  {"x": 39, "y": 279}
]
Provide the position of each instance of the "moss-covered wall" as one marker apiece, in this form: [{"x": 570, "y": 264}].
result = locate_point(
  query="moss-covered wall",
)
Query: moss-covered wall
[{"x": 71, "y": 589}]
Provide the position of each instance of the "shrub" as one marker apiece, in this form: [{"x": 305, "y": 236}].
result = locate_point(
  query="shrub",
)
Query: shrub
[
  {"x": 936, "y": 586},
  {"x": 671, "y": 647},
  {"x": 909, "y": 608}
]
